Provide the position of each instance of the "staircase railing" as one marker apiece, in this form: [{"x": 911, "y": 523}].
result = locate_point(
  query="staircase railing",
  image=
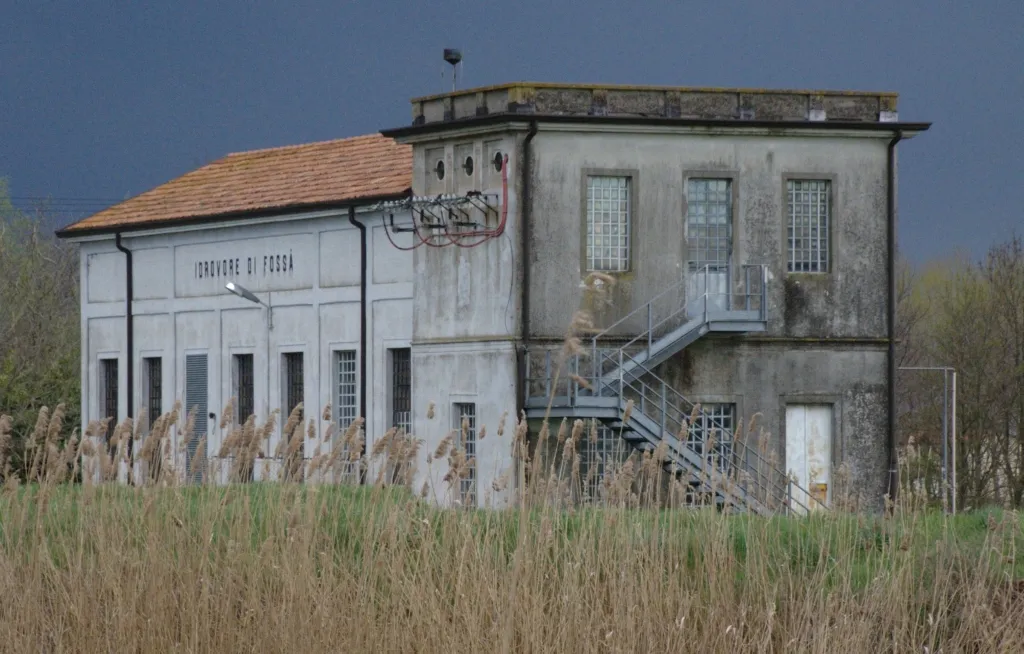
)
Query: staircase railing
[
  {"x": 716, "y": 445},
  {"x": 671, "y": 308}
]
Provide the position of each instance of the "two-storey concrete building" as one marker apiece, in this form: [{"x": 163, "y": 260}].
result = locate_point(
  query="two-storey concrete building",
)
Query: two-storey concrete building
[{"x": 743, "y": 242}]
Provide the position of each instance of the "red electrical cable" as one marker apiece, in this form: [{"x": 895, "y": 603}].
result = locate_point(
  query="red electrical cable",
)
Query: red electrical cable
[{"x": 484, "y": 234}]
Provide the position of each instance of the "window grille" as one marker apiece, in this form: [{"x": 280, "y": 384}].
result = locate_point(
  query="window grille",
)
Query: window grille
[
  {"x": 154, "y": 389},
  {"x": 809, "y": 212},
  {"x": 196, "y": 398},
  {"x": 108, "y": 384},
  {"x": 608, "y": 223},
  {"x": 346, "y": 401},
  {"x": 401, "y": 389},
  {"x": 709, "y": 223},
  {"x": 717, "y": 422},
  {"x": 347, "y": 404},
  {"x": 599, "y": 457},
  {"x": 293, "y": 383},
  {"x": 467, "y": 442},
  {"x": 244, "y": 387}
]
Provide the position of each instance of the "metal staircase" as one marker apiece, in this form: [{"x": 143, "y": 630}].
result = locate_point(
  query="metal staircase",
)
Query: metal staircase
[{"x": 617, "y": 370}]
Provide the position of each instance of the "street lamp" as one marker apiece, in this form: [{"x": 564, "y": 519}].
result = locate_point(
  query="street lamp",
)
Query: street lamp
[{"x": 246, "y": 294}]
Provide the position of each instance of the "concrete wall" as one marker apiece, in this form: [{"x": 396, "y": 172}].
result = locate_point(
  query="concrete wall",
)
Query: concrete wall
[
  {"x": 762, "y": 377},
  {"x": 847, "y": 302},
  {"x": 825, "y": 333},
  {"x": 466, "y": 308},
  {"x": 308, "y": 270}
]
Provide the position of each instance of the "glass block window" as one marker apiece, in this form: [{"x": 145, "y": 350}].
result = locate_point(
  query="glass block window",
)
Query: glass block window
[
  {"x": 807, "y": 230},
  {"x": 244, "y": 387},
  {"x": 718, "y": 422},
  {"x": 346, "y": 401},
  {"x": 600, "y": 456},
  {"x": 708, "y": 222},
  {"x": 153, "y": 368},
  {"x": 293, "y": 382},
  {"x": 108, "y": 390},
  {"x": 608, "y": 223},
  {"x": 467, "y": 442},
  {"x": 401, "y": 389}
]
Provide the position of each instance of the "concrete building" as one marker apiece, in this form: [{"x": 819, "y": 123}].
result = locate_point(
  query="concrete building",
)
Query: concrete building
[
  {"x": 291, "y": 225},
  {"x": 734, "y": 247}
]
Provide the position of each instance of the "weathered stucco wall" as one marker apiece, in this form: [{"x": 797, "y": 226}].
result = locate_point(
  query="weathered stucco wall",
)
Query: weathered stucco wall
[
  {"x": 466, "y": 313},
  {"x": 825, "y": 332},
  {"x": 761, "y": 377},
  {"x": 468, "y": 293},
  {"x": 479, "y": 373},
  {"x": 849, "y": 301}
]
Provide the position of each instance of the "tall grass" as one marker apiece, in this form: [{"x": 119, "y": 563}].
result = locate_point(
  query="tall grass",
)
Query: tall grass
[{"x": 286, "y": 566}]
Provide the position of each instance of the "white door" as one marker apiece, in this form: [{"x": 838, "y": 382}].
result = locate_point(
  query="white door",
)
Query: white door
[
  {"x": 709, "y": 244},
  {"x": 809, "y": 453}
]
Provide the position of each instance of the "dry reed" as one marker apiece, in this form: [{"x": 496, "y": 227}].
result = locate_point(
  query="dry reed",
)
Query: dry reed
[{"x": 334, "y": 567}]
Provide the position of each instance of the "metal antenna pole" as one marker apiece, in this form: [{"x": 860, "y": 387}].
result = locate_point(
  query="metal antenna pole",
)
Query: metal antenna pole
[
  {"x": 954, "y": 442},
  {"x": 945, "y": 439}
]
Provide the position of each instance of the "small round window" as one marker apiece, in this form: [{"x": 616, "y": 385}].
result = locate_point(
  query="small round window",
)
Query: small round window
[
  {"x": 499, "y": 161},
  {"x": 468, "y": 166},
  {"x": 439, "y": 169}
]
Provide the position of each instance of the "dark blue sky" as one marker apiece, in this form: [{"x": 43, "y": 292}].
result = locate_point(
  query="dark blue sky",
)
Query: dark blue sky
[{"x": 107, "y": 99}]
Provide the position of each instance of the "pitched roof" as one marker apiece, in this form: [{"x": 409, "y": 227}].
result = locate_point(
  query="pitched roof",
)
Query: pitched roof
[{"x": 292, "y": 177}]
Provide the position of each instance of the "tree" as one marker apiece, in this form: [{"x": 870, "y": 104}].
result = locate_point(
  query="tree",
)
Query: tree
[{"x": 39, "y": 322}]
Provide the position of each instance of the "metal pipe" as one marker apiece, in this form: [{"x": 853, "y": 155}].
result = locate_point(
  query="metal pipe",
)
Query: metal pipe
[
  {"x": 130, "y": 340},
  {"x": 953, "y": 437},
  {"x": 891, "y": 306},
  {"x": 524, "y": 245},
  {"x": 362, "y": 317}
]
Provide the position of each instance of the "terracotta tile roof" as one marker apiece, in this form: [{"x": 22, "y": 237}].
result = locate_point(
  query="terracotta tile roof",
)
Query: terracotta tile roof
[{"x": 288, "y": 177}]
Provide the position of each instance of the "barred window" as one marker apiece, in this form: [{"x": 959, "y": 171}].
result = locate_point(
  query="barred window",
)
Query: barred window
[
  {"x": 346, "y": 400},
  {"x": 714, "y": 427},
  {"x": 467, "y": 442},
  {"x": 293, "y": 382},
  {"x": 108, "y": 390},
  {"x": 807, "y": 232},
  {"x": 608, "y": 223},
  {"x": 244, "y": 387},
  {"x": 600, "y": 456},
  {"x": 401, "y": 389},
  {"x": 708, "y": 222},
  {"x": 153, "y": 368}
]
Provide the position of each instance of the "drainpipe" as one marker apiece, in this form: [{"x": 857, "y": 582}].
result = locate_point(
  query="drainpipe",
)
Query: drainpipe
[
  {"x": 524, "y": 245},
  {"x": 130, "y": 331},
  {"x": 891, "y": 355},
  {"x": 362, "y": 317}
]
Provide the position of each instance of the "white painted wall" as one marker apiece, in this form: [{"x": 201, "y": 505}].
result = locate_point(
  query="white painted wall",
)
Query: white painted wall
[{"x": 306, "y": 267}]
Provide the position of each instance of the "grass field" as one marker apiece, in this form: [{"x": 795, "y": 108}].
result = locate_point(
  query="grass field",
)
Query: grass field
[{"x": 284, "y": 567}]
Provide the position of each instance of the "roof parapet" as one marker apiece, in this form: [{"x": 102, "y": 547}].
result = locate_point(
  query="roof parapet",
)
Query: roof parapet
[{"x": 658, "y": 102}]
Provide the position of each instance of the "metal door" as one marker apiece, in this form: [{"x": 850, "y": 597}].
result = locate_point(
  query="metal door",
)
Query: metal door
[
  {"x": 196, "y": 398},
  {"x": 809, "y": 453},
  {"x": 709, "y": 244}
]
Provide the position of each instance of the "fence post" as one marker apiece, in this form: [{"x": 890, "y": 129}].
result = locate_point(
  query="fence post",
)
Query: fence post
[{"x": 664, "y": 410}]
